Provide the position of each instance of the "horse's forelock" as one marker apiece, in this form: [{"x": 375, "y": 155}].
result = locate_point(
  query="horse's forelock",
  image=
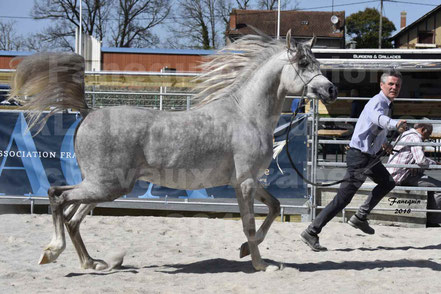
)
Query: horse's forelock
[{"x": 304, "y": 52}]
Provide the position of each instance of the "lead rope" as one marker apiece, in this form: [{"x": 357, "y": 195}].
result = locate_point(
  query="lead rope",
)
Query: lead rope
[{"x": 302, "y": 99}]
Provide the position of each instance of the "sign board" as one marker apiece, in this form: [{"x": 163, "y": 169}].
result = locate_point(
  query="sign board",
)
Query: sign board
[{"x": 30, "y": 164}]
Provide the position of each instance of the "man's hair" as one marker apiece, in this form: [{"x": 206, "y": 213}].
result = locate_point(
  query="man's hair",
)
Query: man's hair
[
  {"x": 428, "y": 127},
  {"x": 390, "y": 73}
]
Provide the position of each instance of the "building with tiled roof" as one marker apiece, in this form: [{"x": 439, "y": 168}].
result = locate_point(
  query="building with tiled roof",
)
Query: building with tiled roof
[
  {"x": 327, "y": 26},
  {"x": 425, "y": 32}
]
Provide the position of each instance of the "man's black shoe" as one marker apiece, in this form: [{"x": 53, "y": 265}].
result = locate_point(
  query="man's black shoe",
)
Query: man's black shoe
[
  {"x": 361, "y": 224},
  {"x": 312, "y": 241}
]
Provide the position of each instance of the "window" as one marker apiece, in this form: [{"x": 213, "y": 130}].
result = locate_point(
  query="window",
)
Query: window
[{"x": 425, "y": 37}]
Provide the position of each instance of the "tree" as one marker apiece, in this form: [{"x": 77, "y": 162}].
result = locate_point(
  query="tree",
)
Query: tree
[
  {"x": 135, "y": 20},
  {"x": 243, "y": 4},
  {"x": 130, "y": 21},
  {"x": 223, "y": 10},
  {"x": 363, "y": 27},
  {"x": 36, "y": 42},
  {"x": 9, "y": 40},
  {"x": 66, "y": 16},
  {"x": 198, "y": 22},
  {"x": 267, "y": 4}
]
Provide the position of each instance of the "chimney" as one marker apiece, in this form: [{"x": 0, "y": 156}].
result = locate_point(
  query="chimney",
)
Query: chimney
[
  {"x": 233, "y": 20},
  {"x": 403, "y": 19}
]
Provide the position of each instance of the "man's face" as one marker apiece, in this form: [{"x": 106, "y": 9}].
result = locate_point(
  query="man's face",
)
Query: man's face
[
  {"x": 391, "y": 88},
  {"x": 425, "y": 133}
]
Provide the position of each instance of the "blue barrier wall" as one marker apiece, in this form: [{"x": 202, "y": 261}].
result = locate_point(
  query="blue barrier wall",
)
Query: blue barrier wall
[{"x": 30, "y": 164}]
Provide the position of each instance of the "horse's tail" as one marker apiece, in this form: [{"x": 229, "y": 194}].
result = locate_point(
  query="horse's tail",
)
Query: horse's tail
[{"x": 49, "y": 81}]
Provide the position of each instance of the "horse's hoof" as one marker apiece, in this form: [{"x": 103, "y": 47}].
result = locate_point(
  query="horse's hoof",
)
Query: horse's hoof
[
  {"x": 44, "y": 259},
  {"x": 96, "y": 264},
  {"x": 272, "y": 268},
  {"x": 266, "y": 267},
  {"x": 100, "y": 265},
  {"x": 47, "y": 257},
  {"x": 116, "y": 260},
  {"x": 244, "y": 250}
]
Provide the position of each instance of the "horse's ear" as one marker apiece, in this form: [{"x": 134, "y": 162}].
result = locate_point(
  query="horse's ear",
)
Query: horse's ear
[
  {"x": 288, "y": 39},
  {"x": 311, "y": 42}
]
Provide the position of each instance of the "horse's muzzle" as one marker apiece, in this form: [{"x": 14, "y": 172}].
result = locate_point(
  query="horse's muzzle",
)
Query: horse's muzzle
[
  {"x": 327, "y": 96},
  {"x": 333, "y": 93}
]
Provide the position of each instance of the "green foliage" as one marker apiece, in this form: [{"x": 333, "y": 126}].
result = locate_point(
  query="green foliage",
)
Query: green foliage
[{"x": 364, "y": 26}]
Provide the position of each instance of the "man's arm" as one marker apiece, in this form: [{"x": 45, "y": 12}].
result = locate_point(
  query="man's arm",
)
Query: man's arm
[
  {"x": 378, "y": 118},
  {"x": 420, "y": 158}
]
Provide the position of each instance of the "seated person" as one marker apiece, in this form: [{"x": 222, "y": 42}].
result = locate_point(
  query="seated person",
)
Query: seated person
[{"x": 415, "y": 176}]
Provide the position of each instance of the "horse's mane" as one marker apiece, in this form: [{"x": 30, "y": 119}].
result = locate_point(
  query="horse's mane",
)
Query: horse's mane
[{"x": 228, "y": 69}]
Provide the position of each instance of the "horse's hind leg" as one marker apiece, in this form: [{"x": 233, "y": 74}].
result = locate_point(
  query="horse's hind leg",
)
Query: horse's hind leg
[
  {"x": 58, "y": 242},
  {"x": 83, "y": 193},
  {"x": 73, "y": 227},
  {"x": 274, "y": 209},
  {"x": 70, "y": 211},
  {"x": 74, "y": 214}
]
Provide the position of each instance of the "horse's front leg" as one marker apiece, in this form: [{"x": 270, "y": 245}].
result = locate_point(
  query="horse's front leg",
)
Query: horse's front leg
[
  {"x": 245, "y": 197},
  {"x": 274, "y": 209}
]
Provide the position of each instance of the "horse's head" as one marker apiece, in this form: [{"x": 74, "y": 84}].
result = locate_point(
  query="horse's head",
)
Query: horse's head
[{"x": 303, "y": 71}]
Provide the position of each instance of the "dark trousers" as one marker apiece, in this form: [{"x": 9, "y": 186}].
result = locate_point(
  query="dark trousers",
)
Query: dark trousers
[
  {"x": 433, "y": 198},
  {"x": 356, "y": 162}
]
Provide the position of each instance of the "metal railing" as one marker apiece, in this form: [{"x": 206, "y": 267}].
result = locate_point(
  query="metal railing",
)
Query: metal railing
[
  {"x": 161, "y": 100},
  {"x": 165, "y": 204}
]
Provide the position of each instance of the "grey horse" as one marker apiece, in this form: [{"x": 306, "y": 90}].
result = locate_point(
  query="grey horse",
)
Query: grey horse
[{"x": 226, "y": 139}]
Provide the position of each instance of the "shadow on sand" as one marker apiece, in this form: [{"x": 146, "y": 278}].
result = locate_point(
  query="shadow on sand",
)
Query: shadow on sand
[
  {"x": 363, "y": 265},
  {"x": 220, "y": 265},
  {"x": 122, "y": 269},
  {"x": 429, "y": 247}
]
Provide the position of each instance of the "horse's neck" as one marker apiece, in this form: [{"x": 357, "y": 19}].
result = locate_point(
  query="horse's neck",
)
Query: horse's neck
[{"x": 261, "y": 96}]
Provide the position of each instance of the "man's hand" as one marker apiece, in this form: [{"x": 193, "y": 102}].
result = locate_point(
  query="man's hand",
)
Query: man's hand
[
  {"x": 388, "y": 148},
  {"x": 401, "y": 126}
]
